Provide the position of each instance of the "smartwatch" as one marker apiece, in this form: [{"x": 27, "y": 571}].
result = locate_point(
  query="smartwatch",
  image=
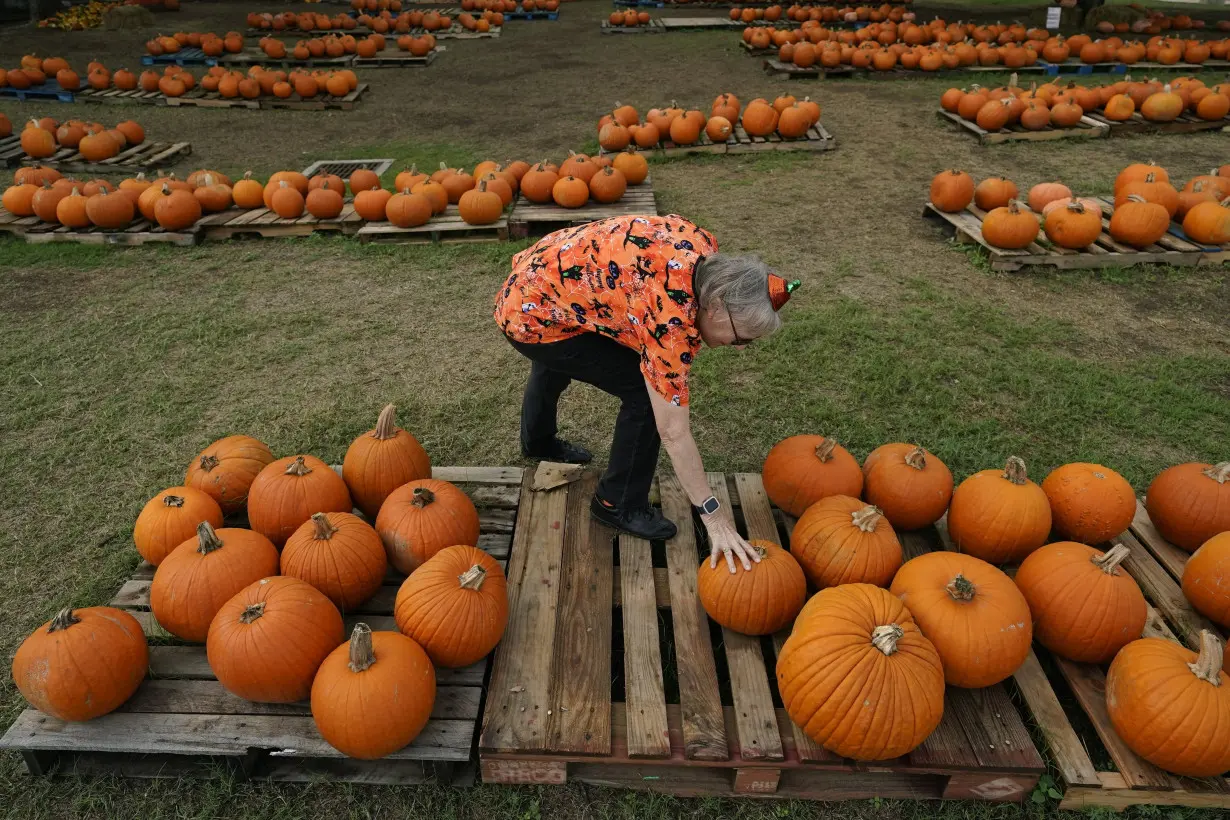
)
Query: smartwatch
[{"x": 710, "y": 505}]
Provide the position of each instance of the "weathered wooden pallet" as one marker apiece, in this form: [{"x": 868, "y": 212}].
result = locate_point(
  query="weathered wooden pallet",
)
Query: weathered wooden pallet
[
  {"x": 181, "y": 722},
  {"x": 1193, "y": 67},
  {"x": 11, "y": 152},
  {"x": 49, "y": 91},
  {"x": 448, "y": 227},
  {"x": 757, "y": 52},
  {"x": 254, "y": 56},
  {"x": 185, "y": 56},
  {"x": 776, "y": 68},
  {"x": 654, "y": 26},
  {"x": 116, "y": 96},
  {"x": 345, "y": 167},
  {"x": 212, "y": 99},
  {"x": 396, "y": 58},
  {"x": 551, "y": 715},
  {"x": 530, "y": 218},
  {"x": 531, "y": 15},
  {"x": 140, "y": 232},
  {"x": 236, "y": 222},
  {"x": 1086, "y": 129},
  {"x": 644, "y": 4},
  {"x": 1185, "y": 124},
  {"x": 132, "y": 160},
  {"x": 299, "y": 34},
  {"x": 460, "y": 32},
  {"x": 1211, "y": 254},
  {"x": 817, "y": 138},
  {"x": 1105, "y": 253},
  {"x": 699, "y": 23}
]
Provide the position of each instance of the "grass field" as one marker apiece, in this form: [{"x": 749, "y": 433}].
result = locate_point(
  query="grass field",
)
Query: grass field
[{"x": 117, "y": 366}]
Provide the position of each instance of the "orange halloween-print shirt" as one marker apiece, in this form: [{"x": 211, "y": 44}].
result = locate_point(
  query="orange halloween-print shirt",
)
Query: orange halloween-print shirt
[{"x": 628, "y": 278}]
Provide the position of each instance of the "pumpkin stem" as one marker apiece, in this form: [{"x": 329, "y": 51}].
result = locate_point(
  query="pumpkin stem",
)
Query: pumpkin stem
[
  {"x": 246, "y": 175},
  {"x": 63, "y": 620},
  {"x": 824, "y": 450},
  {"x": 207, "y": 538},
  {"x": 362, "y": 655},
  {"x": 252, "y": 613},
  {"x": 324, "y": 527},
  {"x": 917, "y": 458},
  {"x": 884, "y": 638},
  {"x": 1014, "y": 206},
  {"x": 423, "y": 497},
  {"x": 172, "y": 501},
  {"x": 1109, "y": 561},
  {"x": 1208, "y": 665},
  {"x": 297, "y": 467},
  {"x": 960, "y": 588},
  {"x": 1150, "y": 177},
  {"x": 1136, "y": 198},
  {"x": 208, "y": 462},
  {"x": 386, "y": 427},
  {"x": 1218, "y": 472},
  {"x": 166, "y": 189},
  {"x": 867, "y": 518},
  {"x": 1014, "y": 471},
  {"x": 473, "y": 577}
]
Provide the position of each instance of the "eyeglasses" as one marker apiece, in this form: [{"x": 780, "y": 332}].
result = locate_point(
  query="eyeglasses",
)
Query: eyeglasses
[{"x": 736, "y": 341}]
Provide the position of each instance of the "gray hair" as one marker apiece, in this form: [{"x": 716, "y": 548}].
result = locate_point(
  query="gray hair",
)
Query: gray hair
[{"x": 740, "y": 284}]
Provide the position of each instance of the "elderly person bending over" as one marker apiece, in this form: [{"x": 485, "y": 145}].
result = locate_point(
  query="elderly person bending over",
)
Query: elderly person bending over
[{"x": 624, "y": 304}]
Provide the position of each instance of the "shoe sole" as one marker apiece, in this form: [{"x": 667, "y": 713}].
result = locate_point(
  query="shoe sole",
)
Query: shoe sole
[{"x": 601, "y": 519}]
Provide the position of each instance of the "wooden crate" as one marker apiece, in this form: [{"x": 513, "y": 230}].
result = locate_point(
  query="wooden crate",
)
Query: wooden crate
[
  {"x": 448, "y": 227},
  {"x": 181, "y": 722},
  {"x": 551, "y": 715},
  {"x": 1086, "y": 129},
  {"x": 396, "y": 58},
  {"x": 132, "y": 160},
  {"x": 1105, "y": 253},
  {"x": 236, "y": 222},
  {"x": 654, "y": 26},
  {"x": 1185, "y": 124},
  {"x": 531, "y": 219}
]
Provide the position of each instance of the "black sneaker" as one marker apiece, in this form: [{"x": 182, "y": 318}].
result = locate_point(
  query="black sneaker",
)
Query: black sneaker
[
  {"x": 643, "y": 522},
  {"x": 559, "y": 450}
]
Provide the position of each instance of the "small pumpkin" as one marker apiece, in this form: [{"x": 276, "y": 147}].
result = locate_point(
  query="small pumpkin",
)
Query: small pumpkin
[
  {"x": 538, "y": 183},
  {"x": 570, "y": 192},
  {"x": 1162, "y": 106},
  {"x": 608, "y": 185},
  {"x": 1208, "y": 223},
  {"x": 225, "y": 470},
  {"x": 1010, "y": 226},
  {"x": 1150, "y": 189},
  {"x": 1089, "y": 503},
  {"x": 759, "y": 601},
  {"x": 324, "y": 202},
  {"x": 339, "y": 554},
  {"x": 842, "y": 540},
  {"x": 801, "y": 470},
  {"x": 478, "y": 206},
  {"x": 952, "y": 190},
  {"x": 632, "y": 165},
  {"x": 994, "y": 192},
  {"x": 1139, "y": 223},
  {"x": 422, "y": 517},
  {"x": 1190, "y": 503},
  {"x": 70, "y": 210},
  {"x": 1206, "y": 579},
  {"x": 107, "y": 210},
  {"x": 171, "y": 518},
  {"x": 1073, "y": 226},
  {"x": 370, "y": 205},
  {"x": 380, "y": 461},
  {"x": 408, "y": 210},
  {"x": 1044, "y": 193},
  {"x": 999, "y": 516},
  {"x": 910, "y": 485},
  {"x": 1136, "y": 172}
]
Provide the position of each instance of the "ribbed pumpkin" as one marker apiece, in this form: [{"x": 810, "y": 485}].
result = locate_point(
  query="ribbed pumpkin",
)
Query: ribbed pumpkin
[
  {"x": 373, "y": 695},
  {"x": 171, "y": 518},
  {"x": 952, "y": 190},
  {"x": 841, "y": 540},
  {"x": 266, "y": 643},
  {"x": 1208, "y": 223},
  {"x": 1073, "y": 226},
  {"x": 910, "y": 485},
  {"x": 800, "y": 470},
  {"x": 759, "y": 601},
  {"x": 994, "y": 192},
  {"x": 422, "y": 517},
  {"x": 455, "y": 606},
  {"x": 1206, "y": 579},
  {"x": 1139, "y": 223},
  {"x": 1172, "y": 706},
  {"x": 380, "y": 461},
  {"x": 1085, "y": 608},
  {"x": 972, "y": 612},
  {"x": 225, "y": 470},
  {"x": 999, "y": 515},
  {"x": 339, "y": 554},
  {"x": 1190, "y": 503},
  {"x": 859, "y": 644},
  {"x": 1089, "y": 503},
  {"x": 82, "y": 664},
  {"x": 288, "y": 491},
  {"x": 201, "y": 574}
]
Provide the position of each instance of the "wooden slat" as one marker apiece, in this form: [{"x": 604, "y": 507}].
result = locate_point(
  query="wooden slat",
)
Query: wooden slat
[
  {"x": 479, "y": 475},
  {"x": 759, "y": 738},
  {"x": 1067, "y": 752},
  {"x": 993, "y": 728},
  {"x": 1173, "y": 558},
  {"x": 1164, "y": 592},
  {"x": 661, "y": 588},
  {"x": 704, "y": 731},
  {"x": 646, "y": 701},
  {"x": 579, "y": 720}
]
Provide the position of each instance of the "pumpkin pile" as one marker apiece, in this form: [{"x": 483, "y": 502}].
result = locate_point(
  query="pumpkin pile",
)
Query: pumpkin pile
[
  {"x": 175, "y": 81},
  {"x": 34, "y": 71},
  {"x": 671, "y": 125},
  {"x": 43, "y": 138},
  {"x": 823, "y": 14},
  {"x": 80, "y": 17},
  {"x": 579, "y": 179},
  {"x": 302, "y": 21},
  {"x": 208, "y": 42},
  {"x": 629, "y": 18},
  {"x": 266, "y": 593}
]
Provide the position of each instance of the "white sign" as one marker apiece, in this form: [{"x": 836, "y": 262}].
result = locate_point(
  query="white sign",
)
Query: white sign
[{"x": 1052, "y": 16}]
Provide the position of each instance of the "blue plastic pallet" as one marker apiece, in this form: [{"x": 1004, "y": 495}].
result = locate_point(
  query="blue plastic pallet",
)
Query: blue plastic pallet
[
  {"x": 644, "y": 4},
  {"x": 50, "y": 90},
  {"x": 531, "y": 15},
  {"x": 185, "y": 56}
]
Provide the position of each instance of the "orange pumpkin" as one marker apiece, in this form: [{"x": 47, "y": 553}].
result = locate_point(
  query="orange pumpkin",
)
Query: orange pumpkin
[
  {"x": 1206, "y": 579},
  {"x": 171, "y": 518},
  {"x": 842, "y": 540},
  {"x": 339, "y": 554},
  {"x": 999, "y": 515},
  {"x": 759, "y": 601},
  {"x": 422, "y": 517},
  {"x": 800, "y": 470},
  {"x": 287, "y": 491},
  {"x": 1190, "y": 503},
  {"x": 911, "y": 486},
  {"x": 1089, "y": 503},
  {"x": 225, "y": 470},
  {"x": 380, "y": 461}
]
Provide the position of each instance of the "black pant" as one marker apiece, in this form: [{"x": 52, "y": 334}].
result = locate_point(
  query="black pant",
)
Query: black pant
[{"x": 614, "y": 369}]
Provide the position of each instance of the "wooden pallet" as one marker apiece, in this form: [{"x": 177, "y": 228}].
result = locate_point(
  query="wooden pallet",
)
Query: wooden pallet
[
  {"x": 776, "y": 68},
  {"x": 1105, "y": 253},
  {"x": 1211, "y": 254},
  {"x": 254, "y": 56},
  {"x": 262, "y": 222},
  {"x": 654, "y": 26},
  {"x": 132, "y": 160},
  {"x": 396, "y": 58},
  {"x": 181, "y": 722},
  {"x": 185, "y": 56},
  {"x": 345, "y": 167},
  {"x": 817, "y": 138},
  {"x": 212, "y": 99},
  {"x": 1185, "y": 124},
  {"x": 699, "y": 23},
  {"x": 116, "y": 96},
  {"x": 551, "y": 715},
  {"x": 11, "y": 152},
  {"x": 448, "y": 227},
  {"x": 529, "y": 218},
  {"x": 1086, "y": 129},
  {"x": 140, "y": 232},
  {"x": 1207, "y": 65}
]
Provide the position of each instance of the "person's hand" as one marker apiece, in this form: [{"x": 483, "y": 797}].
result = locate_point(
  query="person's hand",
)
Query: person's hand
[{"x": 725, "y": 540}]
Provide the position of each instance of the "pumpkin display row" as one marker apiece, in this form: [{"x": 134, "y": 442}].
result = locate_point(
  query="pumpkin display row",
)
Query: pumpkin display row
[
  {"x": 208, "y": 42},
  {"x": 175, "y": 81},
  {"x": 334, "y": 46},
  {"x": 787, "y": 116},
  {"x": 629, "y": 18},
  {"x": 1145, "y": 204},
  {"x": 42, "y": 138},
  {"x": 383, "y": 23},
  {"x": 822, "y": 14},
  {"x": 1153, "y": 21}
]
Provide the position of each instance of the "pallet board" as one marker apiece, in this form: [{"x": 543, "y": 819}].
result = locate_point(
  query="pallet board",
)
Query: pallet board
[
  {"x": 345, "y": 167},
  {"x": 817, "y": 138},
  {"x": 447, "y": 227},
  {"x": 531, "y": 15},
  {"x": 698, "y": 23},
  {"x": 532, "y": 219},
  {"x": 132, "y": 160},
  {"x": 1087, "y": 129},
  {"x": 11, "y": 152},
  {"x": 235, "y": 222},
  {"x": 1106, "y": 252},
  {"x": 776, "y": 68},
  {"x": 551, "y": 715},
  {"x": 1073, "y": 66},
  {"x": 396, "y": 58},
  {"x": 211, "y": 99},
  {"x": 117, "y": 96},
  {"x": 1185, "y": 124},
  {"x": 254, "y": 56},
  {"x": 181, "y": 722},
  {"x": 140, "y": 232},
  {"x": 654, "y": 26}
]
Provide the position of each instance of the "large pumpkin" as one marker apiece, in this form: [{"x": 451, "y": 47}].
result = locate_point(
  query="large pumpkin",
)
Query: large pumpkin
[
  {"x": 171, "y": 518},
  {"x": 201, "y": 574},
  {"x": 909, "y": 484},
  {"x": 999, "y": 515},
  {"x": 339, "y": 554},
  {"x": 758, "y": 601},
  {"x": 422, "y": 517},
  {"x": 972, "y": 612},
  {"x": 1190, "y": 503},
  {"x": 1085, "y": 607},
  {"x": 1089, "y": 503},
  {"x": 1172, "y": 706},
  {"x": 841, "y": 540},
  {"x": 266, "y": 643},
  {"x": 289, "y": 490},
  {"x": 82, "y": 664},
  {"x": 373, "y": 695},
  {"x": 226, "y": 469},
  {"x": 859, "y": 644},
  {"x": 1206, "y": 579},
  {"x": 455, "y": 606},
  {"x": 801, "y": 470},
  {"x": 380, "y": 461}
]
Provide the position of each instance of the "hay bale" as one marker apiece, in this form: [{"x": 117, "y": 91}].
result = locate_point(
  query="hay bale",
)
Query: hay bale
[{"x": 127, "y": 17}]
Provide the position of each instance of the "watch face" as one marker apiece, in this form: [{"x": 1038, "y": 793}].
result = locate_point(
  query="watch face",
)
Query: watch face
[{"x": 711, "y": 505}]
